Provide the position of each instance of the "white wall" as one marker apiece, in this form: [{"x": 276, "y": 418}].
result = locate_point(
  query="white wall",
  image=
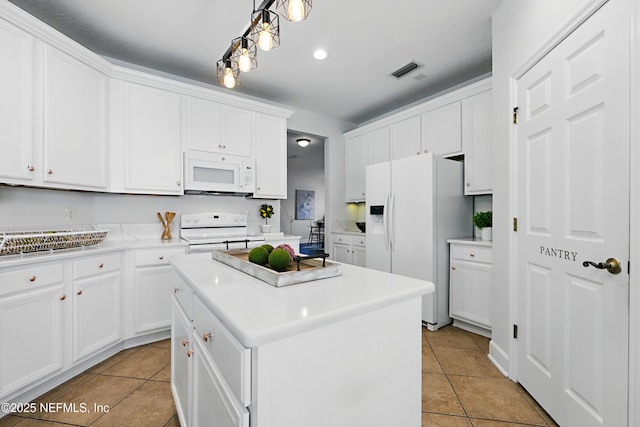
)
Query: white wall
[{"x": 22, "y": 207}]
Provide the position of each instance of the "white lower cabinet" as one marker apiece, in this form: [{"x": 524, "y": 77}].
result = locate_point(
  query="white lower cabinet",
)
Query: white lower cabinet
[
  {"x": 153, "y": 282},
  {"x": 96, "y": 304},
  {"x": 470, "y": 285},
  {"x": 181, "y": 360},
  {"x": 32, "y": 339},
  {"x": 350, "y": 249}
]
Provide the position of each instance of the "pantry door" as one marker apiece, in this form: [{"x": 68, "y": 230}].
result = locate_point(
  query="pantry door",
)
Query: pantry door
[{"x": 573, "y": 207}]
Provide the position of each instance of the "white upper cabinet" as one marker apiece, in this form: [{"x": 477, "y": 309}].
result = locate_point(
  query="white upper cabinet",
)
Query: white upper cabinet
[
  {"x": 378, "y": 143},
  {"x": 201, "y": 124},
  {"x": 476, "y": 143},
  {"x": 406, "y": 138},
  {"x": 442, "y": 130},
  {"x": 16, "y": 104},
  {"x": 356, "y": 162},
  {"x": 75, "y": 122},
  {"x": 271, "y": 156},
  {"x": 237, "y": 131},
  {"x": 218, "y": 128},
  {"x": 146, "y": 139}
]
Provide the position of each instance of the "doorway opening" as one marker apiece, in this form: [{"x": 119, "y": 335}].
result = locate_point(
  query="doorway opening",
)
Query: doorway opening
[{"x": 303, "y": 211}]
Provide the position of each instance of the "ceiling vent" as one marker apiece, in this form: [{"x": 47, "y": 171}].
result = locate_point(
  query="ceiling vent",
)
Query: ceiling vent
[{"x": 402, "y": 71}]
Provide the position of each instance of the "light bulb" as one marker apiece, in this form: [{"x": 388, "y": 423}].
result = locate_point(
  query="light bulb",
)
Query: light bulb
[
  {"x": 265, "y": 41},
  {"x": 229, "y": 81},
  {"x": 295, "y": 10},
  {"x": 244, "y": 62}
]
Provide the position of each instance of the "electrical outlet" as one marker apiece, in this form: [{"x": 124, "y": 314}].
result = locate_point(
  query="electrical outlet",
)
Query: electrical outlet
[{"x": 70, "y": 214}]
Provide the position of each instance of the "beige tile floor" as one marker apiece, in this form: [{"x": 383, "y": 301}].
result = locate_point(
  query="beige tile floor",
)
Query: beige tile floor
[{"x": 460, "y": 387}]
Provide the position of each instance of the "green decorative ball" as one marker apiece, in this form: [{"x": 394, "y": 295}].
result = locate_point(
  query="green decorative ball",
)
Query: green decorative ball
[
  {"x": 258, "y": 256},
  {"x": 268, "y": 247},
  {"x": 279, "y": 260}
]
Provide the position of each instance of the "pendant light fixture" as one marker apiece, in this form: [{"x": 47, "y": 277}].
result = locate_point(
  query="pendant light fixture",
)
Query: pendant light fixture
[
  {"x": 244, "y": 53},
  {"x": 228, "y": 73},
  {"x": 294, "y": 10},
  {"x": 266, "y": 29},
  {"x": 263, "y": 32}
]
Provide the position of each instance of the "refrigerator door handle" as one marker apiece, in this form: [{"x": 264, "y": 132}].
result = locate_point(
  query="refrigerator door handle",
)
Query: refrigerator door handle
[
  {"x": 385, "y": 220},
  {"x": 392, "y": 236}
]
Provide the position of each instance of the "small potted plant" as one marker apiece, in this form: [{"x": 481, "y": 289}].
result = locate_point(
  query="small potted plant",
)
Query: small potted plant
[
  {"x": 266, "y": 212},
  {"x": 484, "y": 221}
]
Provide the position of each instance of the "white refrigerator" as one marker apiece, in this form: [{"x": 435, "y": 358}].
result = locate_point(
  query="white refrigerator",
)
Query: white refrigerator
[{"x": 413, "y": 205}]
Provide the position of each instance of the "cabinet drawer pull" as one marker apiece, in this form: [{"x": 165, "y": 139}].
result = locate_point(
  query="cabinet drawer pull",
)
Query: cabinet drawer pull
[
  {"x": 50, "y": 172},
  {"x": 32, "y": 278},
  {"x": 79, "y": 292},
  {"x": 100, "y": 265},
  {"x": 179, "y": 183},
  {"x": 161, "y": 257},
  {"x": 63, "y": 297},
  {"x": 185, "y": 342},
  {"x": 472, "y": 254},
  {"x": 468, "y": 184},
  {"x": 176, "y": 290},
  {"x": 30, "y": 168},
  {"x": 206, "y": 336},
  {"x": 189, "y": 353},
  {"x": 453, "y": 267}
]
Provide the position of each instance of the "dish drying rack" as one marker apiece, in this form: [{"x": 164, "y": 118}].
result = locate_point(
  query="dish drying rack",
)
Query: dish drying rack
[{"x": 20, "y": 242}]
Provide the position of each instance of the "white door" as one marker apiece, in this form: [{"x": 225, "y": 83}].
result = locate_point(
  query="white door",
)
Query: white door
[{"x": 573, "y": 207}]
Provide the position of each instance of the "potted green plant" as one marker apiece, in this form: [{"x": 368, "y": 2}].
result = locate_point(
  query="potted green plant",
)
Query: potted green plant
[
  {"x": 266, "y": 212},
  {"x": 484, "y": 222}
]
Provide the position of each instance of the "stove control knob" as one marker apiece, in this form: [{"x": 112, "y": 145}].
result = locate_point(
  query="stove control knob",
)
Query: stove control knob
[
  {"x": 187, "y": 220},
  {"x": 235, "y": 219},
  {"x": 196, "y": 220}
]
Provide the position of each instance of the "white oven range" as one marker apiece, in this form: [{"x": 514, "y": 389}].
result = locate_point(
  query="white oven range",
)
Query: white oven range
[{"x": 209, "y": 231}]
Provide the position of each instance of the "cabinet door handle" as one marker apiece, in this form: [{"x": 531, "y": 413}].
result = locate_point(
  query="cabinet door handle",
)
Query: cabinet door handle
[
  {"x": 453, "y": 267},
  {"x": 161, "y": 257},
  {"x": 468, "y": 184},
  {"x": 185, "y": 342},
  {"x": 50, "y": 172},
  {"x": 472, "y": 254},
  {"x": 206, "y": 336},
  {"x": 30, "y": 168},
  {"x": 189, "y": 353},
  {"x": 79, "y": 292},
  {"x": 175, "y": 290},
  {"x": 100, "y": 265},
  {"x": 179, "y": 184},
  {"x": 32, "y": 278},
  {"x": 63, "y": 297}
]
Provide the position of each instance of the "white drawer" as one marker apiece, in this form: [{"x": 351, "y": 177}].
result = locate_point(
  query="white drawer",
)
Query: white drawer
[
  {"x": 151, "y": 257},
  {"x": 32, "y": 277},
  {"x": 345, "y": 239},
  {"x": 471, "y": 253},
  {"x": 231, "y": 358},
  {"x": 359, "y": 241},
  {"x": 96, "y": 265},
  {"x": 184, "y": 295}
]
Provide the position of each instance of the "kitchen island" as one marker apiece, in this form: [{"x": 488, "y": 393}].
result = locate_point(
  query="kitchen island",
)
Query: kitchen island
[{"x": 342, "y": 351}]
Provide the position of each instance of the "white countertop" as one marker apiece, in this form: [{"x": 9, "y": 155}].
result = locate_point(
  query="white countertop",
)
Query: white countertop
[
  {"x": 474, "y": 241},
  {"x": 352, "y": 233},
  {"x": 104, "y": 247},
  {"x": 257, "y": 313}
]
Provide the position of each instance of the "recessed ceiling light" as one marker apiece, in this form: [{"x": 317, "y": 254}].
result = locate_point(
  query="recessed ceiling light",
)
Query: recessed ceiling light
[{"x": 320, "y": 54}]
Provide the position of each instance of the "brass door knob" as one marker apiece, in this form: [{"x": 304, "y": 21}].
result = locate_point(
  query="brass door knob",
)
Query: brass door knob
[{"x": 612, "y": 265}]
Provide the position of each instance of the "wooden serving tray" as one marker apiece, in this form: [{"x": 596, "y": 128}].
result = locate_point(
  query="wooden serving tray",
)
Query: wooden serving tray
[{"x": 310, "y": 269}]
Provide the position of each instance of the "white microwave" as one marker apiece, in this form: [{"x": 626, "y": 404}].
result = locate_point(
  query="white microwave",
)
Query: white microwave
[{"x": 211, "y": 172}]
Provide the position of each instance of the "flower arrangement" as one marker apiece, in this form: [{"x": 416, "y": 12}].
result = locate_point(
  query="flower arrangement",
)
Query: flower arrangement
[{"x": 266, "y": 212}]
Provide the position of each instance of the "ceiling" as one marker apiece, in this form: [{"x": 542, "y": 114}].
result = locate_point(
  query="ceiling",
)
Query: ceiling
[{"x": 452, "y": 39}]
